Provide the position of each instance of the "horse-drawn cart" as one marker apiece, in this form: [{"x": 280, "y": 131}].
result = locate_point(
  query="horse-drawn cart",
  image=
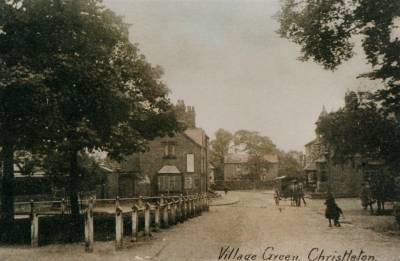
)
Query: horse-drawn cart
[{"x": 284, "y": 186}]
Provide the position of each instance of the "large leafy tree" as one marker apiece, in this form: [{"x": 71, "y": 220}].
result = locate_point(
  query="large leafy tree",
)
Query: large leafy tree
[
  {"x": 327, "y": 31},
  {"x": 104, "y": 93},
  {"x": 24, "y": 122},
  {"x": 257, "y": 147},
  {"x": 361, "y": 131},
  {"x": 290, "y": 164},
  {"x": 219, "y": 149}
]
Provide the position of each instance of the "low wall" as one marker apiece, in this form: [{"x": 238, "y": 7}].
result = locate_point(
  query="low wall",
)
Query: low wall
[{"x": 242, "y": 185}]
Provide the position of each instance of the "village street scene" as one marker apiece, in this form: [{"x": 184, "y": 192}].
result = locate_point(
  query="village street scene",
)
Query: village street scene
[{"x": 200, "y": 130}]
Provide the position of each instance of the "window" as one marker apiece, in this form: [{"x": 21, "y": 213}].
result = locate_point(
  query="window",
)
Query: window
[
  {"x": 169, "y": 149},
  {"x": 190, "y": 162},
  {"x": 169, "y": 183},
  {"x": 188, "y": 182}
]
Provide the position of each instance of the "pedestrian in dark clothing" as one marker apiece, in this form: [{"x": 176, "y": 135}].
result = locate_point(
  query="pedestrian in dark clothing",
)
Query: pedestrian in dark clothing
[
  {"x": 332, "y": 210},
  {"x": 226, "y": 190}
]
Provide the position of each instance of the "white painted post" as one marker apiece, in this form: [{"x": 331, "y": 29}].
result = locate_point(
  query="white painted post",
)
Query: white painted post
[
  {"x": 181, "y": 209},
  {"x": 135, "y": 223},
  {"x": 89, "y": 239},
  {"x": 173, "y": 212},
  {"x": 119, "y": 226},
  {"x": 195, "y": 205},
  {"x": 199, "y": 204},
  {"x": 34, "y": 226},
  {"x": 191, "y": 206},
  {"x": 166, "y": 214},
  {"x": 186, "y": 208},
  {"x": 157, "y": 217},
  {"x": 147, "y": 232},
  {"x": 141, "y": 204}
]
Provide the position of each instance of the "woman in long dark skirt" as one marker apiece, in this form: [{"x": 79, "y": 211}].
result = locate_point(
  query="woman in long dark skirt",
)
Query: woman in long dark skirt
[{"x": 332, "y": 210}]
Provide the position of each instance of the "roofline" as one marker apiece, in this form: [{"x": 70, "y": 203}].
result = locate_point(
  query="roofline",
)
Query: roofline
[{"x": 192, "y": 140}]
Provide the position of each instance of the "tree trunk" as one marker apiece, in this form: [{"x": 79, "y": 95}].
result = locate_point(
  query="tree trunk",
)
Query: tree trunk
[
  {"x": 8, "y": 185},
  {"x": 74, "y": 182}
]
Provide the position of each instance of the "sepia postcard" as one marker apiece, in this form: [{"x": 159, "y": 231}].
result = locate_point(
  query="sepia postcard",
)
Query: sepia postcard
[{"x": 204, "y": 130}]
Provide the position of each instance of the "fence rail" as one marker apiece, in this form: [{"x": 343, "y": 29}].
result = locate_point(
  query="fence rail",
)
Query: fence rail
[{"x": 165, "y": 210}]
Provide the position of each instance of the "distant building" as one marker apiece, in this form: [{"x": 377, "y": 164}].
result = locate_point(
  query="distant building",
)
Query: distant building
[
  {"x": 238, "y": 167},
  {"x": 322, "y": 174},
  {"x": 172, "y": 165}
]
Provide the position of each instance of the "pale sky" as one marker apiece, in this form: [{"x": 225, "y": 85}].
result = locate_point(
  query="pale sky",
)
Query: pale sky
[{"x": 225, "y": 59}]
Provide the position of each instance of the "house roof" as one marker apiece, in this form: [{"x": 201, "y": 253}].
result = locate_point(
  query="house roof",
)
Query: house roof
[
  {"x": 311, "y": 142},
  {"x": 243, "y": 158},
  {"x": 169, "y": 169},
  {"x": 197, "y": 135},
  {"x": 236, "y": 158}
]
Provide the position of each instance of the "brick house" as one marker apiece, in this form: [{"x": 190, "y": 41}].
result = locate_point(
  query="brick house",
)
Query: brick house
[
  {"x": 236, "y": 167},
  {"x": 172, "y": 165}
]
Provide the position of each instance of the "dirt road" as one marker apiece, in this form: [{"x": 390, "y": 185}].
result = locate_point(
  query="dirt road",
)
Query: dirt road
[{"x": 253, "y": 229}]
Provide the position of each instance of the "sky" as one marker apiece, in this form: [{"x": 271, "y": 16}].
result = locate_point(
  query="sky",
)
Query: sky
[{"x": 224, "y": 58}]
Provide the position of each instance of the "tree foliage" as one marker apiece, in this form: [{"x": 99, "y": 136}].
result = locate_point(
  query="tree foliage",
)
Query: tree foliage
[
  {"x": 327, "y": 32},
  {"x": 290, "y": 164},
  {"x": 361, "y": 129},
  {"x": 219, "y": 149},
  {"x": 80, "y": 72},
  {"x": 253, "y": 143}
]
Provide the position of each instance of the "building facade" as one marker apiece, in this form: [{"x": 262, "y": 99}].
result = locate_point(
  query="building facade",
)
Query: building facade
[
  {"x": 240, "y": 167},
  {"x": 323, "y": 174},
  {"x": 172, "y": 165}
]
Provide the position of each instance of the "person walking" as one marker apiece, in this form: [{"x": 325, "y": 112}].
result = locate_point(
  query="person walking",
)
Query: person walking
[
  {"x": 332, "y": 211},
  {"x": 277, "y": 196},
  {"x": 301, "y": 194}
]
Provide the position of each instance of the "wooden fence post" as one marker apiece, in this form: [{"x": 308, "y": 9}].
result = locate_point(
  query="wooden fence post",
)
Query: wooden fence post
[
  {"x": 157, "y": 217},
  {"x": 147, "y": 232},
  {"x": 89, "y": 239},
  {"x": 165, "y": 211},
  {"x": 173, "y": 212},
  {"x": 34, "y": 226},
  {"x": 135, "y": 223},
  {"x": 119, "y": 226},
  {"x": 186, "y": 208},
  {"x": 196, "y": 205},
  {"x": 62, "y": 206},
  {"x": 199, "y": 196},
  {"x": 206, "y": 202},
  {"x": 191, "y": 206},
  {"x": 181, "y": 209}
]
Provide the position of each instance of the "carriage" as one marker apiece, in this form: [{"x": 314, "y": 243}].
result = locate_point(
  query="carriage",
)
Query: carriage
[{"x": 284, "y": 186}]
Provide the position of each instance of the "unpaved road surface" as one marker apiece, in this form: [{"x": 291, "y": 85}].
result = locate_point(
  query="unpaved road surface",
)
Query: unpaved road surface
[{"x": 253, "y": 229}]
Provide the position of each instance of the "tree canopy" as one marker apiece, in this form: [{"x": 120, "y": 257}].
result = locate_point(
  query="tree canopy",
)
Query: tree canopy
[
  {"x": 219, "y": 149},
  {"x": 86, "y": 87},
  {"x": 327, "y": 32}
]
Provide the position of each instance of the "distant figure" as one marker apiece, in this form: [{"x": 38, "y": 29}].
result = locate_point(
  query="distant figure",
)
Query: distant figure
[
  {"x": 226, "y": 190},
  {"x": 295, "y": 194},
  {"x": 332, "y": 210},
  {"x": 366, "y": 197},
  {"x": 277, "y": 196},
  {"x": 301, "y": 194}
]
